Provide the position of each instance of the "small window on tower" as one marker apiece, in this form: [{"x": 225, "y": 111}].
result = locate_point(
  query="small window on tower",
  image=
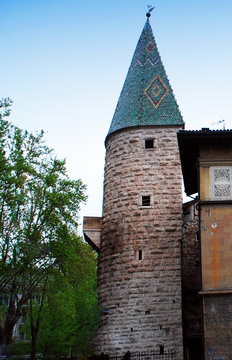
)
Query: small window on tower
[
  {"x": 140, "y": 255},
  {"x": 149, "y": 143},
  {"x": 146, "y": 200}
]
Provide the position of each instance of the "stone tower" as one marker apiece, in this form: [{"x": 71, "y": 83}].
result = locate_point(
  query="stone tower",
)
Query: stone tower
[{"x": 139, "y": 279}]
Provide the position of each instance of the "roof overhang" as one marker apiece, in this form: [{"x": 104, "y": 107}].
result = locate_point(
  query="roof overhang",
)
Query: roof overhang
[
  {"x": 92, "y": 229},
  {"x": 190, "y": 143}
]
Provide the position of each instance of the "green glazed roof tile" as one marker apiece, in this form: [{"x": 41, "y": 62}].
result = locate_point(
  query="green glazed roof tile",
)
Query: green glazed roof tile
[{"x": 146, "y": 97}]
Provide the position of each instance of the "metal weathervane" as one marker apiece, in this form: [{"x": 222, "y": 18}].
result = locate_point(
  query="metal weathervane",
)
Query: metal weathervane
[{"x": 150, "y": 9}]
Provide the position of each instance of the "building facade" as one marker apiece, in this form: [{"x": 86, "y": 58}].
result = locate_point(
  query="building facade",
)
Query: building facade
[
  {"x": 207, "y": 156},
  {"x": 164, "y": 275}
]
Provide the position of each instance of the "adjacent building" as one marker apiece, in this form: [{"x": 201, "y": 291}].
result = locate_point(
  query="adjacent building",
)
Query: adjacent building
[{"x": 207, "y": 169}]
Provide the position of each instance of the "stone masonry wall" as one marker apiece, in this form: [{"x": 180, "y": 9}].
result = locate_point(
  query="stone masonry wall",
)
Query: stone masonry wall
[
  {"x": 191, "y": 284},
  {"x": 191, "y": 267},
  {"x": 140, "y": 254}
]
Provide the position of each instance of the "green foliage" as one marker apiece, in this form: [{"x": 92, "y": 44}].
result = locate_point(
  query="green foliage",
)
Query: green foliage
[
  {"x": 39, "y": 207},
  {"x": 70, "y": 314},
  {"x": 39, "y": 201},
  {"x": 59, "y": 325},
  {"x": 5, "y": 105},
  {"x": 18, "y": 348}
]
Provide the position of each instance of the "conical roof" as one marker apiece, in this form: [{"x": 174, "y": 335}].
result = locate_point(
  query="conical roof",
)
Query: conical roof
[{"x": 146, "y": 97}]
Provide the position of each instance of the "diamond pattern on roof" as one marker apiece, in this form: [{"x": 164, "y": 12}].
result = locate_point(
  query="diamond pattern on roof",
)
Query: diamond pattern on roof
[
  {"x": 156, "y": 91},
  {"x": 150, "y": 46},
  {"x": 147, "y": 97}
]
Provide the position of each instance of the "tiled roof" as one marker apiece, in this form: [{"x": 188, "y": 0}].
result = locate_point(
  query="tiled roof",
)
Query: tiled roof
[
  {"x": 146, "y": 97},
  {"x": 206, "y": 132}
]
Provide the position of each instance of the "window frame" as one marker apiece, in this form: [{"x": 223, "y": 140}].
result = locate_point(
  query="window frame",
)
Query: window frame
[{"x": 214, "y": 183}]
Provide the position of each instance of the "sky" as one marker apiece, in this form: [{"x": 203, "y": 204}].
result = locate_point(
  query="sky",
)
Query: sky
[{"x": 64, "y": 62}]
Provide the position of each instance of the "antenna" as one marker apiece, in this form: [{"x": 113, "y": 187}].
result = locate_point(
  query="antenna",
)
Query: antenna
[{"x": 220, "y": 122}]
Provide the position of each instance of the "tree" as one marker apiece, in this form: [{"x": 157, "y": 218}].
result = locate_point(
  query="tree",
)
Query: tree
[
  {"x": 81, "y": 276},
  {"x": 65, "y": 319},
  {"x": 5, "y": 105},
  {"x": 39, "y": 206}
]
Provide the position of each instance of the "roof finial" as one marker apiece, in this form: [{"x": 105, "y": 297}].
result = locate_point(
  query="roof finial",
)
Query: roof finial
[{"x": 150, "y": 8}]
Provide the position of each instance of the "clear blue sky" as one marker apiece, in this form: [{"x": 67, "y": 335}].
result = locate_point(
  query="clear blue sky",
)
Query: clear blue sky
[{"x": 63, "y": 62}]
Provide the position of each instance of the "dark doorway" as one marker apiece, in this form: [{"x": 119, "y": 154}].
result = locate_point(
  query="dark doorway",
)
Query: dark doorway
[{"x": 193, "y": 349}]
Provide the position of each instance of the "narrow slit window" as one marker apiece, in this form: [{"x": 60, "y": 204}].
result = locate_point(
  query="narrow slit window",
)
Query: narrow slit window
[
  {"x": 146, "y": 200},
  {"x": 140, "y": 255},
  {"x": 149, "y": 144},
  {"x": 161, "y": 350}
]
